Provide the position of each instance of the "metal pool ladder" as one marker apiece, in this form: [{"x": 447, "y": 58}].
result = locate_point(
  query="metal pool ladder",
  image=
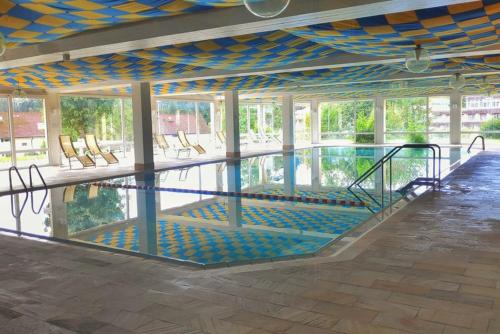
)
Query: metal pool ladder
[
  {"x": 27, "y": 191},
  {"x": 474, "y": 141},
  {"x": 387, "y": 159}
]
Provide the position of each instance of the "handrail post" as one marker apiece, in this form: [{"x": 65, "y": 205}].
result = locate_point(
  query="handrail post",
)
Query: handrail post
[{"x": 474, "y": 141}]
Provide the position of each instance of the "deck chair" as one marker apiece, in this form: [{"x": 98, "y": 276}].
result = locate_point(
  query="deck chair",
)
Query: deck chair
[
  {"x": 221, "y": 137},
  {"x": 95, "y": 150},
  {"x": 93, "y": 191},
  {"x": 186, "y": 144},
  {"x": 163, "y": 144},
  {"x": 69, "y": 194},
  {"x": 70, "y": 152}
]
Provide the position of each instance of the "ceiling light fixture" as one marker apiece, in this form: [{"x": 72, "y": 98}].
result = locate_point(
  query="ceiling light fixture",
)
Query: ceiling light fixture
[
  {"x": 418, "y": 60},
  {"x": 457, "y": 81},
  {"x": 3, "y": 44},
  {"x": 266, "y": 8},
  {"x": 18, "y": 93}
]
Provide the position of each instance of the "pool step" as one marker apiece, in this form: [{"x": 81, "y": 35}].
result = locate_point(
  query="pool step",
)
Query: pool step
[{"x": 419, "y": 181}]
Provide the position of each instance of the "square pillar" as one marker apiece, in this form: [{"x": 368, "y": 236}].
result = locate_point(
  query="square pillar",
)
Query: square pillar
[
  {"x": 143, "y": 125},
  {"x": 54, "y": 128},
  {"x": 456, "y": 118},
  {"x": 288, "y": 123},
  {"x": 379, "y": 119},
  {"x": 234, "y": 185},
  {"x": 315, "y": 122},
  {"x": 232, "y": 124}
]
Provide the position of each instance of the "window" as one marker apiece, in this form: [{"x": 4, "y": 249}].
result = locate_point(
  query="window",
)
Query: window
[
  {"x": 5, "y": 148},
  {"x": 481, "y": 116},
  {"x": 406, "y": 120},
  {"x": 302, "y": 122},
  {"x": 109, "y": 119},
  {"x": 22, "y": 132},
  {"x": 347, "y": 121},
  {"x": 418, "y": 120},
  {"x": 194, "y": 118}
]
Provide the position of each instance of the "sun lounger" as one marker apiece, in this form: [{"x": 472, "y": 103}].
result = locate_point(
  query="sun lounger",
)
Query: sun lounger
[
  {"x": 186, "y": 144},
  {"x": 95, "y": 150},
  {"x": 163, "y": 144},
  {"x": 69, "y": 152}
]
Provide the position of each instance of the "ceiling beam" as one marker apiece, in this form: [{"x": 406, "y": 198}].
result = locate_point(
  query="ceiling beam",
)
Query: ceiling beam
[
  {"x": 205, "y": 25},
  {"x": 338, "y": 61}
]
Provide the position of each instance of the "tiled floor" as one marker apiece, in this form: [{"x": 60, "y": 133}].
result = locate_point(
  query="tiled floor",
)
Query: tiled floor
[{"x": 434, "y": 267}]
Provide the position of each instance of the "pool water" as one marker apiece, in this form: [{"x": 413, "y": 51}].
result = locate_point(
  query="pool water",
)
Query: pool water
[{"x": 261, "y": 208}]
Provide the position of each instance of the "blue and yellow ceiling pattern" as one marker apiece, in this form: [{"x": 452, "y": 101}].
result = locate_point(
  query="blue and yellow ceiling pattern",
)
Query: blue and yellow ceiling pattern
[
  {"x": 465, "y": 27},
  {"x": 35, "y": 21}
]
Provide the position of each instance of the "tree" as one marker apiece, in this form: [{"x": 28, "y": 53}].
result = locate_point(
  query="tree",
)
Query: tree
[
  {"x": 408, "y": 115},
  {"x": 491, "y": 125},
  {"x": 81, "y": 115},
  {"x": 85, "y": 213}
]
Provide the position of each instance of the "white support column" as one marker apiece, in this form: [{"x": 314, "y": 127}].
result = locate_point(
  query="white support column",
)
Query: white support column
[
  {"x": 315, "y": 122},
  {"x": 232, "y": 124},
  {"x": 288, "y": 123},
  {"x": 213, "y": 122},
  {"x": 143, "y": 125},
  {"x": 155, "y": 114},
  {"x": 234, "y": 185},
  {"x": 54, "y": 128},
  {"x": 122, "y": 121},
  {"x": 260, "y": 120},
  {"x": 196, "y": 119},
  {"x": 379, "y": 119},
  {"x": 456, "y": 118}
]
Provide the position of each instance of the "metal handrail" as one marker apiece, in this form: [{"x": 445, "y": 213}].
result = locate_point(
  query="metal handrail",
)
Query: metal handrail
[
  {"x": 40, "y": 207},
  {"x": 14, "y": 169},
  {"x": 35, "y": 167},
  {"x": 388, "y": 159},
  {"x": 474, "y": 141}
]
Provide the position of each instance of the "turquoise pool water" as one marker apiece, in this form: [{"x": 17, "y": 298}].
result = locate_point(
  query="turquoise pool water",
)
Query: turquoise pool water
[{"x": 195, "y": 220}]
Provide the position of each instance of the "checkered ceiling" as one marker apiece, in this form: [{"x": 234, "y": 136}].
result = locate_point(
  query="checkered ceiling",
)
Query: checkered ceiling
[
  {"x": 460, "y": 27},
  {"x": 34, "y": 21}
]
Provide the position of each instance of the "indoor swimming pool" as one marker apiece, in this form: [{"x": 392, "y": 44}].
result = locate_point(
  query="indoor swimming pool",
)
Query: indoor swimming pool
[{"x": 267, "y": 207}]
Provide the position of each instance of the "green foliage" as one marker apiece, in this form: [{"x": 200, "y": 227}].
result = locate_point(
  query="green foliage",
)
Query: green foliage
[
  {"x": 491, "y": 125},
  {"x": 365, "y": 123},
  {"x": 85, "y": 213},
  {"x": 408, "y": 115},
  {"x": 82, "y": 115},
  {"x": 349, "y": 117},
  {"x": 27, "y": 104}
]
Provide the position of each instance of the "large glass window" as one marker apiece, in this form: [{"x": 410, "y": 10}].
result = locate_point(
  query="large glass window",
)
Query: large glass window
[
  {"x": 302, "y": 122},
  {"x": 481, "y": 115},
  {"x": 194, "y": 118},
  {"x": 5, "y": 148},
  {"x": 22, "y": 122},
  {"x": 273, "y": 120},
  {"x": 439, "y": 119},
  {"x": 406, "y": 120},
  {"x": 347, "y": 121},
  {"x": 418, "y": 120},
  {"x": 109, "y": 119},
  {"x": 29, "y": 131}
]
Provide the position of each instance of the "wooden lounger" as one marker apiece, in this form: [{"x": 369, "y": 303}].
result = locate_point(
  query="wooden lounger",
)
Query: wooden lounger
[
  {"x": 186, "y": 144},
  {"x": 221, "y": 136},
  {"x": 163, "y": 144},
  {"x": 95, "y": 150},
  {"x": 70, "y": 152},
  {"x": 69, "y": 192}
]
